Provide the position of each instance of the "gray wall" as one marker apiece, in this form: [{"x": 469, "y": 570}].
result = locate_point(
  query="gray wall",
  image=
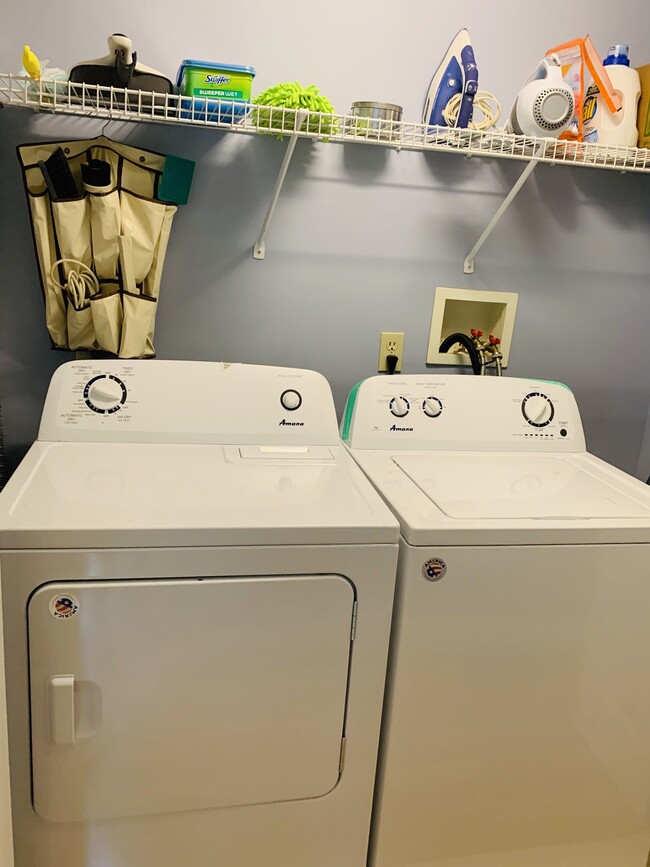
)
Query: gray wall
[{"x": 362, "y": 236}]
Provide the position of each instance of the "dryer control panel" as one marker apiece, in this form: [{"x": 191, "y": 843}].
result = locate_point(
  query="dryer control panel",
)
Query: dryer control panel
[
  {"x": 462, "y": 412},
  {"x": 188, "y": 402}
]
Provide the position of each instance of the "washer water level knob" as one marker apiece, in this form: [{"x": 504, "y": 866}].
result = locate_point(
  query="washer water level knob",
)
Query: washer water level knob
[
  {"x": 432, "y": 407},
  {"x": 291, "y": 399},
  {"x": 105, "y": 394},
  {"x": 399, "y": 406},
  {"x": 538, "y": 409}
]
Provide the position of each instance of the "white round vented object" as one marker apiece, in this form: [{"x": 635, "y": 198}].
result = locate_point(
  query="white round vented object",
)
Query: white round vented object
[
  {"x": 545, "y": 103},
  {"x": 552, "y": 109}
]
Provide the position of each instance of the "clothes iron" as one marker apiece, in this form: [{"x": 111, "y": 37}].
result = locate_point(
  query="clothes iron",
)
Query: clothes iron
[{"x": 457, "y": 74}]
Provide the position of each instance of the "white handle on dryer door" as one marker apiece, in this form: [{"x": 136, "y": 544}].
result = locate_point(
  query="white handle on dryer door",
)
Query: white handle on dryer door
[{"x": 61, "y": 701}]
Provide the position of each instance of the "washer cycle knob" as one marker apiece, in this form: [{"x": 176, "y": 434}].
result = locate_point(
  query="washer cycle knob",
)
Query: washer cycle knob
[
  {"x": 399, "y": 406},
  {"x": 105, "y": 394},
  {"x": 538, "y": 409},
  {"x": 432, "y": 407},
  {"x": 291, "y": 399}
]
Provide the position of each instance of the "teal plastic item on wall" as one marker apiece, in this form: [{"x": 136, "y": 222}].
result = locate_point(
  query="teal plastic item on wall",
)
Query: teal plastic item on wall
[{"x": 176, "y": 181}]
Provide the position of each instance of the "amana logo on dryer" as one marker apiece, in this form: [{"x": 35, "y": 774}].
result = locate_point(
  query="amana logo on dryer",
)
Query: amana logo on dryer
[
  {"x": 291, "y": 423},
  {"x": 394, "y": 427}
]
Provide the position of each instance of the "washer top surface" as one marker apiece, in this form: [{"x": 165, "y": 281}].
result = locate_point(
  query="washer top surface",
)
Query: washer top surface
[
  {"x": 472, "y": 460},
  {"x": 516, "y": 486},
  {"x": 160, "y": 454}
]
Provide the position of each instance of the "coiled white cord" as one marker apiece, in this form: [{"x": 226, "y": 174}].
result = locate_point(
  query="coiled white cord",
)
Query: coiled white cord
[
  {"x": 484, "y": 101},
  {"x": 81, "y": 282}
]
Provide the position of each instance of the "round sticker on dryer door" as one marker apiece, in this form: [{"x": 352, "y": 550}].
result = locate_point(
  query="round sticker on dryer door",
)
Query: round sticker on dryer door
[
  {"x": 434, "y": 569},
  {"x": 64, "y": 606}
]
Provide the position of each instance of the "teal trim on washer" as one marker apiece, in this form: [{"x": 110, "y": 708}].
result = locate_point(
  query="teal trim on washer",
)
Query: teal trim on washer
[
  {"x": 349, "y": 411},
  {"x": 554, "y": 382}
]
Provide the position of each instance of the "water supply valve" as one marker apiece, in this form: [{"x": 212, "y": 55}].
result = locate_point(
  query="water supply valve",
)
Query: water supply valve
[{"x": 493, "y": 349}]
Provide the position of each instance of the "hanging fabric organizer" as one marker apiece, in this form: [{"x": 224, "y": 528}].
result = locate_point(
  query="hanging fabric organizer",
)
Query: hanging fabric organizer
[{"x": 113, "y": 237}]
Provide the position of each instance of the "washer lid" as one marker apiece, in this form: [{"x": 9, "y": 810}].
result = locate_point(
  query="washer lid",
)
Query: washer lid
[{"x": 500, "y": 486}]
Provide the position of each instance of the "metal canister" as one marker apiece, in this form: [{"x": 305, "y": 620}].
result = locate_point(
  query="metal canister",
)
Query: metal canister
[{"x": 380, "y": 118}]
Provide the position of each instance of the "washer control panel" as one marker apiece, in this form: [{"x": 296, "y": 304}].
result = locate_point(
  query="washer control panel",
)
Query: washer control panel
[
  {"x": 187, "y": 401},
  {"x": 463, "y": 412}
]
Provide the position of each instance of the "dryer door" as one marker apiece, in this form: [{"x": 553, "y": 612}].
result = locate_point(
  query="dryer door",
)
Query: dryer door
[{"x": 161, "y": 696}]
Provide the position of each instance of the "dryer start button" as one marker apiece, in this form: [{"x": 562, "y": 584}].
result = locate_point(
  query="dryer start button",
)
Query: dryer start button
[{"x": 291, "y": 399}]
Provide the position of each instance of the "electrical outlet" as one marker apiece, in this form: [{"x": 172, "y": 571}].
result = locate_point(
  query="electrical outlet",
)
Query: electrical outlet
[{"x": 390, "y": 343}]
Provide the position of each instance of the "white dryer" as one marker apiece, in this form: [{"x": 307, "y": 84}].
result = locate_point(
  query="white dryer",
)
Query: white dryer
[
  {"x": 198, "y": 585},
  {"x": 517, "y": 724}
]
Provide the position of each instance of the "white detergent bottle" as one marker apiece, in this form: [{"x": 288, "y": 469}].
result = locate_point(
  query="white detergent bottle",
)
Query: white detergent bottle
[{"x": 600, "y": 125}]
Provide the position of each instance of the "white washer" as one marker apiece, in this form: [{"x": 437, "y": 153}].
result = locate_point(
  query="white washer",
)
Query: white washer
[
  {"x": 6, "y": 845},
  {"x": 198, "y": 585},
  {"x": 517, "y": 725}
]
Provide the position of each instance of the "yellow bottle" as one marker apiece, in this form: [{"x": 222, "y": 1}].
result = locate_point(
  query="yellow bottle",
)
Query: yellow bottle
[{"x": 31, "y": 62}]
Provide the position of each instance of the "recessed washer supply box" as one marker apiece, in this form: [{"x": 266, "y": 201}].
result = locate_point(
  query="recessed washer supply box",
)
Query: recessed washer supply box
[{"x": 219, "y": 88}]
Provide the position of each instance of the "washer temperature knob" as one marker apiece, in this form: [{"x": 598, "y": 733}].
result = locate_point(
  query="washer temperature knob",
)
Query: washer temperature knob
[
  {"x": 399, "y": 406},
  {"x": 432, "y": 407},
  {"x": 105, "y": 394},
  {"x": 537, "y": 409}
]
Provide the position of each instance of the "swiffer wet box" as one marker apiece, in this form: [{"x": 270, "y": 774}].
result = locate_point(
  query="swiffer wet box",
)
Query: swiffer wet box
[{"x": 200, "y": 78}]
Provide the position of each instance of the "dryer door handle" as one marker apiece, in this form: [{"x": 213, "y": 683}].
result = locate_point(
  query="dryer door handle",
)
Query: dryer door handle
[{"x": 61, "y": 703}]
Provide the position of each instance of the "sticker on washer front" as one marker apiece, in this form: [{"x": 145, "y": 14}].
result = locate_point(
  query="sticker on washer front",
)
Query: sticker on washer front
[
  {"x": 64, "y": 606},
  {"x": 434, "y": 569}
]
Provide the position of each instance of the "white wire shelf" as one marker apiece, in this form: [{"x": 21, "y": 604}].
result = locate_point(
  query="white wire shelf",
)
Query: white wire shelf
[
  {"x": 112, "y": 103},
  {"x": 244, "y": 118}
]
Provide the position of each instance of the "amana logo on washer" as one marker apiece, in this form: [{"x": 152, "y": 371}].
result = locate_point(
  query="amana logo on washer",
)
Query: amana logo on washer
[{"x": 434, "y": 569}]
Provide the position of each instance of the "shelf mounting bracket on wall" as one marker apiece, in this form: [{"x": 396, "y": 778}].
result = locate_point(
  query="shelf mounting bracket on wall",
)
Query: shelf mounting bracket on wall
[
  {"x": 259, "y": 250},
  {"x": 468, "y": 265}
]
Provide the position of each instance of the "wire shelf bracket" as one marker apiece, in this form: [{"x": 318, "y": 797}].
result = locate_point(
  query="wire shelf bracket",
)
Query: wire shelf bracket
[
  {"x": 468, "y": 265},
  {"x": 259, "y": 250}
]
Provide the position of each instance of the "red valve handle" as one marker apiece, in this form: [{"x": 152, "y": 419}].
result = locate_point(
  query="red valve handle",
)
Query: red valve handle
[
  {"x": 495, "y": 341},
  {"x": 476, "y": 333}
]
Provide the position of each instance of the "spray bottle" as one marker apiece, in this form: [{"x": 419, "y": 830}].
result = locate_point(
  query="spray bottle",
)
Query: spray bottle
[{"x": 603, "y": 127}]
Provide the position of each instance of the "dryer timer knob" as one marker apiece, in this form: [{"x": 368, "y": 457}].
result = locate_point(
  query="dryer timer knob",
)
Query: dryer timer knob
[{"x": 105, "y": 394}]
